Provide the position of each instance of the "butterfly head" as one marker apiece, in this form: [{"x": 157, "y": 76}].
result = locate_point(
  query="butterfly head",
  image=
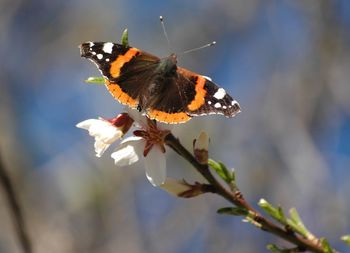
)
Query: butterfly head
[{"x": 167, "y": 66}]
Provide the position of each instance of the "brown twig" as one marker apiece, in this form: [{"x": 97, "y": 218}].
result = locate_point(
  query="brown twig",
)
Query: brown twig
[
  {"x": 238, "y": 200},
  {"x": 16, "y": 210}
]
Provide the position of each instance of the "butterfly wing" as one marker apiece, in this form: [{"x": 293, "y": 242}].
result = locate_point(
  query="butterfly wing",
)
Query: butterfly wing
[
  {"x": 209, "y": 98},
  {"x": 189, "y": 94},
  {"x": 126, "y": 69},
  {"x": 171, "y": 106}
]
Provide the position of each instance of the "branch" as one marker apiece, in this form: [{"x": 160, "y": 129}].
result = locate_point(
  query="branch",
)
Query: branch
[
  {"x": 15, "y": 208},
  {"x": 236, "y": 197}
]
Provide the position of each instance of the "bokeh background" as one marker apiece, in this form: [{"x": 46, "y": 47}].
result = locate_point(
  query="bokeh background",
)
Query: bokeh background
[{"x": 286, "y": 62}]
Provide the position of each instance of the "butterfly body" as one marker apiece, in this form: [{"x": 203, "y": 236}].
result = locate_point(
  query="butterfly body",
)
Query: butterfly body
[{"x": 158, "y": 87}]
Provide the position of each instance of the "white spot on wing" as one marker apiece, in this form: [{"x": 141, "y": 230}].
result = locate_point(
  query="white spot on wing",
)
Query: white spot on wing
[
  {"x": 234, "y": 102},
  {"x": 209, "y": 102},
  {"x": 99, "y": 56},
  {"x": 107, "y": 60},
  {"x": 217, "y": 105},
  {"x": 224, "y": 107},
  {"x": 220, "y": 93},
  {"x": 207, "y": 77},
  {"x": 107, "y": 47},
  {"x": 93, "y": 53},
  {"x": 91, "y": 44}
]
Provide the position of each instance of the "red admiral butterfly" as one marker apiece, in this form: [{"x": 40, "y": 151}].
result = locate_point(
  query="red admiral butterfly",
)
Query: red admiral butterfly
[{"x": 158, "y": 87}]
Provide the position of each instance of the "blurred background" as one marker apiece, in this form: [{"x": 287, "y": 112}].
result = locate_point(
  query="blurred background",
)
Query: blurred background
[{"x": 286, "y": 62}]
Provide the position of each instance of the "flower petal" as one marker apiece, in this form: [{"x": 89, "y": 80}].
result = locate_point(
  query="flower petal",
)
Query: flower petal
[
  {"x": 175, "y": 187},
  {"x": 125, "y": 156},
  {"x": 131, "y": 139},
  {"x": 202, "y": 142},
  {"x": 128, "y": 151},
  {"x": 181, "y": 188},
  {"x": 139, "y": 118},
  {"x": 104, "y": 132},
  {"x": 165, "y": 126},
  {"x": 155, "y": 166},
  {"x": 100, "y": 147},
  {"x": 201, "y": 148},
  {"x": 101, "y": 129},
  {"x": 86, "y": 124}
]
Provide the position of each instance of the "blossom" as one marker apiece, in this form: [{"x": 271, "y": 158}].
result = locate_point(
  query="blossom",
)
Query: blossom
[
  {"x": 200, "y": 148},
  {"x": 148, "y": 145},
  {"x": 130, "y": 151},
  {"x": 180, "y": 188},
  {"x": 106, "y": 131}
]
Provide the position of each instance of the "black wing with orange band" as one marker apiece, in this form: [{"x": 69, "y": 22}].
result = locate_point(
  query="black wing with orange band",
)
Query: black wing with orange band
[
  {"x": 209, "y": 97},
  {"x": 190, "y": 94},
  {"x": 125, "y": 69}
]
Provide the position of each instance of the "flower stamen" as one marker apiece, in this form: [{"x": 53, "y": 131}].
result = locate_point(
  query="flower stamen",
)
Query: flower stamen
[{"x": 153, "y": 136}]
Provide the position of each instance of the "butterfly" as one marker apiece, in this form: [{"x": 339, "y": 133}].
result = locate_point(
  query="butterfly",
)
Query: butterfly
[{"x": 157, "y": 86}]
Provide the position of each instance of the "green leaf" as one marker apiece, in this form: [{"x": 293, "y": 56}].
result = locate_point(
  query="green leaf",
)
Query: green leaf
[
  {"x": 274, "y": 248},
  {"x": 237, "y": 211},
  {"x": 325, "y": 245},
  {"x": 276, "y": 213},
  {"x": 297, "y": 224},
  {"x": 228, "y": 173},
  {"x": 125, "y": 38},
  {"x": 95, "y": 80},
  {"x": 346, "y": 239},
  {"x": 222, "y": 171},
  {"x": 216, "y": 166},
  {"x": 281, "y": 215},
  {"x": 250, "y": 218}
]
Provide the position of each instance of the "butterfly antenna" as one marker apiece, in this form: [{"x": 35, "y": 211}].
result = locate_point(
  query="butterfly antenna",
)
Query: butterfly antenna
[
  {"x": 164, "y": 30},
  {"x": 198, "y": 48}
]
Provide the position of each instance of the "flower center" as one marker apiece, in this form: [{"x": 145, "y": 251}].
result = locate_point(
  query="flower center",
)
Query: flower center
[{"x": 153, "y": 136}]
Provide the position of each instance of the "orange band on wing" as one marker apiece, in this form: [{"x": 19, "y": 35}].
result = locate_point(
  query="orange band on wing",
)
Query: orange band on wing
[
  {"x": 199, "y": 99},
  {"x": 170, "y": 118},
  {"x": 120, "y": 95},
  {"x": 121, "y": 60}
]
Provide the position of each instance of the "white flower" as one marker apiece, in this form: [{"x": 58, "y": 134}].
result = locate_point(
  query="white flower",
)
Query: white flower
[
  {"x": 105, "y": 133},
  {"x": 202, "y": 142},
  {"x": 148, "y": 145},
  {"x": 131, "y": 150},
  {"x": 200, "y": 148},
  {"x": 181, "y": 188},
  {"x": 128, "y": 152}
]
